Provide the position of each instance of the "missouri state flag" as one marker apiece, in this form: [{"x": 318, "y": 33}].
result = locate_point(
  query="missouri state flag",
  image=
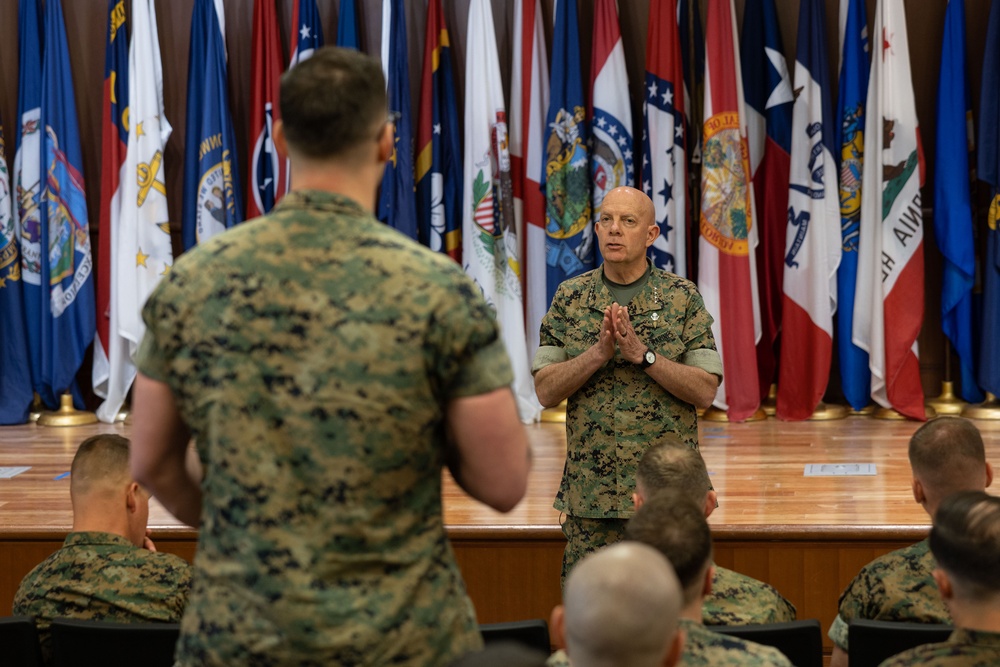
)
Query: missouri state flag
[
  {"x": 28, "y": 183},
  {"x": 307, "y": 31},
  {"x": 68, "y": 322},
  {"x": 114, "y": 143},
  {"x": 439, "y": 157},
  {"x": 812, "y": 246},
  {"x": 397, "y": 203},
  {"x": 769, "y": 98},
  {"x": 953, "y": 205},
  {"x": 267, "y": 175},
  {"x": 15, "y": 374},
  {"x": 726, "y": 272},
  {"x": 611, "y": 155},
  {"x": 989, "y": 171},
  {"x": 664, "y": 156},
  {"x": 855, "y": 378},
  {"x": 212, "y": 201},
  {"x": 889, "y": 299},
  {"x": 569, "y": 229},
  {"x": 489, "y": 239},
  {"x": 529, "y": 92}
]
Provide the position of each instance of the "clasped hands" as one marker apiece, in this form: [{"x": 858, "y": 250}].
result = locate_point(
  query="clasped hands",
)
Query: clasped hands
[{"x": 616, "y": 330}]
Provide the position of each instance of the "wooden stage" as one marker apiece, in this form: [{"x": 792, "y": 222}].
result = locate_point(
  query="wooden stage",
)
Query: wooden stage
[{"x": 806, "y": 536}]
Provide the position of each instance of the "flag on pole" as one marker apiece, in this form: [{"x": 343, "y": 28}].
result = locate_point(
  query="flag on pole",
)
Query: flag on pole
[
  {"x": 211, "y": 182},
  {"x": 529, "y": 104},
  {"x": 693, "y": 58},
  {"x": 141, "y": 249},
  {"x": 347, "y": 25},
  {"x": 68, "y": 322},
  {"x": 769, "y": 132},
  {"x": 397, "y": 204},
  {"x": 307, "y": 31},
  {"x": 439, "y": 166},
  {"x": 490, "y": 248},
  {"x": 15, "y": 374},
  {"x": 726, "y": 271},
  {"x": 989, "y": 172},
  {"x": 113, "y": 147},
  {"x": 569, "y": 229},
  {"x": 891, "y": 253},
  {"x": 611, "y": 118},
  {"x": 855, "y": 378},
  {"x": 952, "y": 202},
  {"x": 28, "y": 184},
  {"x": 664, "y": 159},
  {"x": 268, "y": 175},
  {"x": 813, "y": 234}
]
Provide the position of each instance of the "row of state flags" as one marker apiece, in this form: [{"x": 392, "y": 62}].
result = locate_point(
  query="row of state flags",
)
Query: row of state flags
[{"x": 771, "y": 175}]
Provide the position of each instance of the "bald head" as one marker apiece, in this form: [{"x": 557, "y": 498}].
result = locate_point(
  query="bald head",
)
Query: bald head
[
  {"x": 622, "y": 605},
  {"x": 671, "y": 464},
  {"x": 947, "y": 455},
  {"x": 624, "y": 196},
  {"x": 105, "y": 497}
]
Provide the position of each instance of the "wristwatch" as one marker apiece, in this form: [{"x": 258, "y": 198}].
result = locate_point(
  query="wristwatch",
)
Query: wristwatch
[{"x": 648, "y": 358}]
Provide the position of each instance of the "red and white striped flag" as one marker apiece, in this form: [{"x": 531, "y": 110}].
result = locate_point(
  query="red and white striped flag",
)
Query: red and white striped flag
[
  {"x": 890, "y": 284},
  {"x": 727, "y": 274},
  {"x": 528, "y": 106}
]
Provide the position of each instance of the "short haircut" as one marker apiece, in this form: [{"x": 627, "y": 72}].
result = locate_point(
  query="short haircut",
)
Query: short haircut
[
  {"x": 671, "y": 464},
  {"x": 622, "y": 604},
  {"x": 332, "y": 102},
  {"x": 947, "y": 454},
  {"x": 101, "y": 459},
  {"x": 965, "y": 541},
  {"x": 675, "y": 525}
]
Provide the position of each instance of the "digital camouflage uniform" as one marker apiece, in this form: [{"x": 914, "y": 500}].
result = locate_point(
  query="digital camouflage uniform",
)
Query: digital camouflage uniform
[
  {"x": 709, "y": 649},
  {"x": 312, "y": 353},
  {"x": 102, "y": 576},
  {"x": 621, "y": 410},
  {"x": 898, "y": 586},
  {"x": 964, "y": 648},
  {"x": 737, "y": 599}
]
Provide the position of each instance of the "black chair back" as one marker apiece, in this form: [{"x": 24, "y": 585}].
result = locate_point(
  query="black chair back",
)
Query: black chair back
[
  {"x": 533, "y": 633},
  {"x": 871, "y": 642},
  {"x": 80, "y": 643},
  {"x": 800, "y": 641},
  {"x": 19, "y": 642}
]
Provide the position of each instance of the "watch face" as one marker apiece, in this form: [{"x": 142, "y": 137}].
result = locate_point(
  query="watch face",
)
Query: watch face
[{"x": 650, "y": 356}]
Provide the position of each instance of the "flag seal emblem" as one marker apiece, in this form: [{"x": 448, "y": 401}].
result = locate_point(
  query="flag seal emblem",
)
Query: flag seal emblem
[{"x": 725, "y": 220}]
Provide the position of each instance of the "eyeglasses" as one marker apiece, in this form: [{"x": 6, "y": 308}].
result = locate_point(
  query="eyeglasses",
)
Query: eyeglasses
[{"x": 393, "y": 118}]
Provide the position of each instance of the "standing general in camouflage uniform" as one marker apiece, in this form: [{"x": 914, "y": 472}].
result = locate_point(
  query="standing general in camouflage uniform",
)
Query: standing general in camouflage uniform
[
  {"x": 108, "y": 568},
  {"x": 675, "y": 526},
  {"x": 630, "y": 348},
  {"x": 946, "y": 456},
  {"x": 735, "y": 599},
  {"x": 328, "y": 368},
  {"x": 965, "y": 540}
]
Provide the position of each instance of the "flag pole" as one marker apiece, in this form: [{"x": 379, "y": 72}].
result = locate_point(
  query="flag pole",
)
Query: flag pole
[
  {"x": 946, "y": 403},
  {"x": 66, "y": 415}
]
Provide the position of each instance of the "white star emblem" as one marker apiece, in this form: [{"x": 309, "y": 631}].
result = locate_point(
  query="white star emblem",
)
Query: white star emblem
[
  {"x": 628, "y": 155},
  {"x": 668, "y": 96},
  {"x": 437, "y": 128},
  {"x": 601, "y": 122},
  {"x": 653, "y": 89},
  {"x": 304, "y": 33},
  {"x": 613, "y": 131}
]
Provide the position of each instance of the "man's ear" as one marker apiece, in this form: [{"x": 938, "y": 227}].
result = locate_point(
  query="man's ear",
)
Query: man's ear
[
  {"x": 386, "y": 142},
  {"x": 637, "y": 499},
  {"x": 918, "y": 491},
  {"x": 278, "y": 137},
  {"x": 557, "y": 626},
  {"x": 943, "y": 584},
  {"x": 711, "y": 502},
  {"x": 989, "y": 474},
  {"x": 131, "y": 499},
  {"x": 706, "y": 589}
]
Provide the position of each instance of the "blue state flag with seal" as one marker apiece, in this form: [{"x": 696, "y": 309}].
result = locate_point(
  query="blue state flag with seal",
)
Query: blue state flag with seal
[
  {"x": 569, "y": 231},
  {"x": 855, "y": 377},
  {"x": 68, "y": 310},
  {"x": 989, "y": 171},
  {"x": 211, "y": 181}
]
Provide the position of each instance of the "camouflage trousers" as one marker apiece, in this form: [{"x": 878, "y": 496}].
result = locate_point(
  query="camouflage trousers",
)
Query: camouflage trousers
[{"x": 584, "y": 536}]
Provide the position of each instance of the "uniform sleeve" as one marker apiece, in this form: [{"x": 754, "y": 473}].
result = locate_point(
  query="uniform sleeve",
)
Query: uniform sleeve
[
  {"x": 552, "y": 334},
  {"x": 154, "y": 357},
  {"x": 697, "y": 333},
  {"x": 853, "y": 604}
]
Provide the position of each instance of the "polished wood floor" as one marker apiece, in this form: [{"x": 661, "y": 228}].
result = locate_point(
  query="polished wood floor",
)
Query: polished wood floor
[{"x": 757, "y": 469}]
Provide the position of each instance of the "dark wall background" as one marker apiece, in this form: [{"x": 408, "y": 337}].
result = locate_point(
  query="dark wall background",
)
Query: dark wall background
[{"x": 87, "y": 32}]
